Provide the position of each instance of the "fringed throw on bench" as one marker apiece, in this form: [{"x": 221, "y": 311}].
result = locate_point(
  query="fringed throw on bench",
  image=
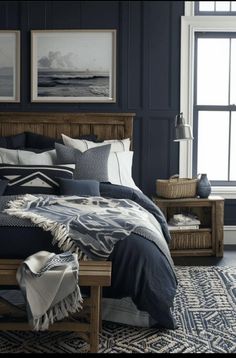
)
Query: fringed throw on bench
[{"x": 49, "y": 283}]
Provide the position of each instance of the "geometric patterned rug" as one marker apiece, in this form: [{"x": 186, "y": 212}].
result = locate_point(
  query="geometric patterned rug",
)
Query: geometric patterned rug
[{"x": 205, "y": 311}]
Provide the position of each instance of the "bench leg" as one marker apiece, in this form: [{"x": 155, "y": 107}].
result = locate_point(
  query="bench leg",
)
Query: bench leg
[
  {"x": 95, "y": 318},
  {"x": 100, "y": 314}
]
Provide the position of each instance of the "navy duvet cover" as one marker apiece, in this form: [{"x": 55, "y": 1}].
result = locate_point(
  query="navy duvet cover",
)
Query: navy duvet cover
[{"x": 140, "y": 270}]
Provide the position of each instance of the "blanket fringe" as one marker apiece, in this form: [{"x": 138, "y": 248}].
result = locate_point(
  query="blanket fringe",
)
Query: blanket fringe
[
  {"x": 59, "y": 231},
  {"x": 71, "y": 304}
]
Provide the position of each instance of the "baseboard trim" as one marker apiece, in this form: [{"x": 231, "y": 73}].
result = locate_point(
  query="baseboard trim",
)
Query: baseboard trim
[{"x": 230, "y": 235}]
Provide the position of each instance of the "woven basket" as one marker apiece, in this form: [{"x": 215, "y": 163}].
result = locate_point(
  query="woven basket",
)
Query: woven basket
[
  {"x": 174, "y": 188},
  {"x": 191, "y": 240}
]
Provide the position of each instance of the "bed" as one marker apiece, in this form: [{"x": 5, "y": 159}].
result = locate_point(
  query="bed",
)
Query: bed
[{"x": 143, "y": 278}]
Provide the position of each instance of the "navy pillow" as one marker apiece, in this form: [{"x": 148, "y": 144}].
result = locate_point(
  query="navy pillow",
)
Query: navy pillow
[
  {"x": 40, "y": 141},
  {"x": 16, "y": 141},
  {"x": 3, "y": 185},
  {"x": 33, "y": 179},
  {"x": 91, "y": 137},
  {"x": 79, "y": 187},
  {"x": 38, "y": 150}
]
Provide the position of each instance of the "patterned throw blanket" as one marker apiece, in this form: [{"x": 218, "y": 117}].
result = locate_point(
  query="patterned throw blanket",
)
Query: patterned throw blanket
[{"x": 89, "y": 226}]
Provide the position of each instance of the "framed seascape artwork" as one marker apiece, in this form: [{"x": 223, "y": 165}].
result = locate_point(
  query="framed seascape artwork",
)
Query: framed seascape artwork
[
  {"x": 73, "y": 66},
  {"x": 9, "y": 66}
]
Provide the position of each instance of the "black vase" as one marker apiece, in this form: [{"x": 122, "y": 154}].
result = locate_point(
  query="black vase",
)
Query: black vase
[{"x": 203, "y": 186}]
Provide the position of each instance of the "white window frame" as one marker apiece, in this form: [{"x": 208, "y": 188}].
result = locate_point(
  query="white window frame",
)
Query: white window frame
[{"x": 189, "y": 25}]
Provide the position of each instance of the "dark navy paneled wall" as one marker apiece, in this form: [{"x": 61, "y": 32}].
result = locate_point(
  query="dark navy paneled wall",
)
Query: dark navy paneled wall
[
  {"x": 148, "y": 58},
  {"x": 148, "y": 71}
]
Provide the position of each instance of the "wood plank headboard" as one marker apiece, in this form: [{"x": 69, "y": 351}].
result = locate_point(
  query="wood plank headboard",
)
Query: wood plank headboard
[{"x": 52, "y": 124}]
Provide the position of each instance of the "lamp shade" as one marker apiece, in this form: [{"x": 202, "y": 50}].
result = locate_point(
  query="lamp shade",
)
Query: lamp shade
[{"x": 183, "y": 131}]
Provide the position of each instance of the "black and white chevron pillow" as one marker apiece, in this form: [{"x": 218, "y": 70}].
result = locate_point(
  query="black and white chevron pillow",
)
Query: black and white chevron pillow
[{"x": 33, "y": 179}]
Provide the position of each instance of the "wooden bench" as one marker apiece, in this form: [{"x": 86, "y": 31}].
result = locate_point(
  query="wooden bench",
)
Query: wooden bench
[{"x": 94, "y": 274}]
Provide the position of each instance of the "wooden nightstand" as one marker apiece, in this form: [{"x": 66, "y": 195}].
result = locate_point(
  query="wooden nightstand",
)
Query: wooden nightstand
[{"x": 208, "y": 240}]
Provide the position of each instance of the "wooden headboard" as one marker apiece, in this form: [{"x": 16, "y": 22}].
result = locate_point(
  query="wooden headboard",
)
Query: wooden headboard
[{"x": 52, "y": 124}]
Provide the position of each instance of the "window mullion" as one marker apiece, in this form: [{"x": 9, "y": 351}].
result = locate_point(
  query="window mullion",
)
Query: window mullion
[
  {"x": 229, "y": 89},
  {"x": 229, "y": 101},
  {"x": 229, "y": 151}
]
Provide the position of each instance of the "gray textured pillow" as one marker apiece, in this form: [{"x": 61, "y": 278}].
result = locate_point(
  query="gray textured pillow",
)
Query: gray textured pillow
[
  {"x": 65, "y": 155},
  {"x": 91, "y": 164}
]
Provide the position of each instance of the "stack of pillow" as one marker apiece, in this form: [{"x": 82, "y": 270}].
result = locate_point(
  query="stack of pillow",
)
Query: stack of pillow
[{"x": 34, "y": 163}]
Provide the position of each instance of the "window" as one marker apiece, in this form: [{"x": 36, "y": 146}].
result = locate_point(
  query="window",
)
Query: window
[
  {"x": 208, "y": 98},
  {"x": 214, "y": 107},
  {"x": 215, "y": 8}
]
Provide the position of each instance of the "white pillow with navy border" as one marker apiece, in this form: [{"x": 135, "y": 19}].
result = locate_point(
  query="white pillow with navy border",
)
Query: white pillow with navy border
[
  {"x": 117, "y": 145},
  {"x": 25, "y": 157},
  {"x": 120, "y": 169}
]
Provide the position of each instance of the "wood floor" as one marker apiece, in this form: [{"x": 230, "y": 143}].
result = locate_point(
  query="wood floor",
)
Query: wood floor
[{"x": 229, "y": 259}]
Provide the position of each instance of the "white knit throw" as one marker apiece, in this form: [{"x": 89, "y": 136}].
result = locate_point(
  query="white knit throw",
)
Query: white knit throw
[{"x": 49, "y": 283}]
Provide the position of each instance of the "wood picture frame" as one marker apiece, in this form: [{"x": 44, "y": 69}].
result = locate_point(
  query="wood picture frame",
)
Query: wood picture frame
[
  {"x": 9, "y": 66},
  {"x": 73, "y": 66}
]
